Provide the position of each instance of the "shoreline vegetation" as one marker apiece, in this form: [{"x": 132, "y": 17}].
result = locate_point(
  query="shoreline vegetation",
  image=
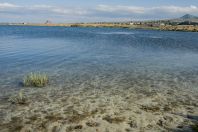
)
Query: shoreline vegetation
[
  {"x": 187, "y": 23},
  {"x": 187, "y": 28}
]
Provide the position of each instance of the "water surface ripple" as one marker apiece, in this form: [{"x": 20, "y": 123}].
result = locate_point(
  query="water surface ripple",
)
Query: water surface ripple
[{"x": 131, "y": 57}]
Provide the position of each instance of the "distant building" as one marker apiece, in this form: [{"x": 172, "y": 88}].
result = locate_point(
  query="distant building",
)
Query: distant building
[
  {"x": 138, "y": 23},
  {"x": 131, "y": 23},
  {"x": 48, "y": 22},
  {"x": 162, "y": 24}
]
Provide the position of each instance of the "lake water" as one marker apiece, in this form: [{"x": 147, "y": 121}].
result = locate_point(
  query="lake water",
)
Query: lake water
[{"x": 122, "y": 57}]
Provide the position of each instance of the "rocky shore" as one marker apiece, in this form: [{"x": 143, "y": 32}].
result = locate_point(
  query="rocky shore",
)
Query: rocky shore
[{"x": 100, "y": 108}]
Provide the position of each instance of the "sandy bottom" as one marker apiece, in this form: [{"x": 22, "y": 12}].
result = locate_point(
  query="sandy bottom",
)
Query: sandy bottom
[{"x": 94, "y": 108}]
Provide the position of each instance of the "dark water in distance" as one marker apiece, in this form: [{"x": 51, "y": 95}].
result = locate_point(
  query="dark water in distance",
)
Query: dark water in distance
[{"x": 133, "y": 57}]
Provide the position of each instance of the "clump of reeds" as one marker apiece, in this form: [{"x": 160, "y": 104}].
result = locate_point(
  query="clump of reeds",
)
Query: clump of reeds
[
  {"x": 19, "y": 98},
  {"x": 35, "y": 80}
]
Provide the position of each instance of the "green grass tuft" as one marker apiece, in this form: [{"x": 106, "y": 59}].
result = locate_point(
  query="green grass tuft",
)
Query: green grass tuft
[
  {"x": 19, "y": 98},
  {"x": 35, "y": 80}
]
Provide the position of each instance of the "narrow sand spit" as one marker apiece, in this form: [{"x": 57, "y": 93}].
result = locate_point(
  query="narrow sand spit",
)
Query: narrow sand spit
[{"x": 100, "y": 109}]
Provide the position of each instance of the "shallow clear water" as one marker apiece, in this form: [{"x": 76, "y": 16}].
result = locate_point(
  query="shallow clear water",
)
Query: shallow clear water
[{"x": 125, "y": 57}]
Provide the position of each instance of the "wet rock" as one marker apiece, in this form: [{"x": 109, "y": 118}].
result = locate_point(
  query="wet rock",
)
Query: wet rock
[
  {"x": 133, "y": 124},
  {"x": 114, "y": 119},
  {"x": 160, "y": 123},
  {"x": 150, "y": 108},
  {"x": 92, "y": 124},
  {"x": 167, "y": 108},
  {"x": 128, "y": 130},
  {"x": 55, "y": 117},
  {"x": 78, "y": 127}
]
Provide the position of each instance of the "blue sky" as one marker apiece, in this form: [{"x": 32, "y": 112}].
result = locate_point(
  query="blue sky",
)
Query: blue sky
[{"x": 65, "y": 11}]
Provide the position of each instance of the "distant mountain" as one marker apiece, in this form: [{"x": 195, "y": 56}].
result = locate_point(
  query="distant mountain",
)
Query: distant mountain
[
  {"x": 188, "y": 16},
  {"x": 185, "y": 20}
]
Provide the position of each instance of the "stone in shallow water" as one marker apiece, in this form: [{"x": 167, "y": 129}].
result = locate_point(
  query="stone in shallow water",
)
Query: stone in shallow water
[
  {"x": 92, "y": 123},
  {"x": 114, "y": 119}
]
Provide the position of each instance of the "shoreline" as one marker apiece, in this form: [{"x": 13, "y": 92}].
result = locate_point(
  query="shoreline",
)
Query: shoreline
[
  {"x": 183, "y": 28},
  {"x": 90, "y": 107}
]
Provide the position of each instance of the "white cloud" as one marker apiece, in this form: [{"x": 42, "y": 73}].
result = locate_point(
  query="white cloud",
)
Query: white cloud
[
  {"x": 42, "y": 9},
  {"x": 146, "y": 10},
  {"x": 70, "y": 11},
  {"x": 119, "y": 8},
  {"x": 8, "y": 5},
  {"x": 98, "y": 13},
  {"x": 42, "y": 6},
  {"x": 175, "y": 9}
]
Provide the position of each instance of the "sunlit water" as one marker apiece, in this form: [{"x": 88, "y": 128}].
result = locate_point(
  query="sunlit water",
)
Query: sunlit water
[{"x": 128, "y": 58}]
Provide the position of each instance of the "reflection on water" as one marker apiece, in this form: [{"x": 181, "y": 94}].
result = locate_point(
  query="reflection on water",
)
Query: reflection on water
[{"x": 123, "y": 57}]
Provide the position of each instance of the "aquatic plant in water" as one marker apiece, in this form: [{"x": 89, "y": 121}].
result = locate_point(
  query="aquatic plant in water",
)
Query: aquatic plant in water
[
  {"x": 35, "y": 80},
  {"x": 20, "y": 98}
]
